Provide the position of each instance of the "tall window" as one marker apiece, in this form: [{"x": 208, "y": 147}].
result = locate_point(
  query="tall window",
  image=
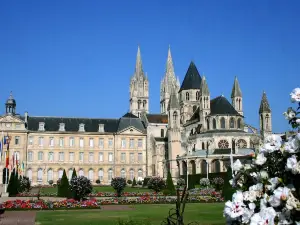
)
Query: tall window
[
  {"x": 214, "y": 123},
  {"x": 140, "y": 174},
  {"x": 50, "y": 175},
  {"x": 50, "y": 156},
  {"x": 140, "y": 143},
  {"x": 71, "y": 156},
  {"x": 80, "y": 156},
  {"x": 91, "y": 157},
  {"x": 81, "y": 144},
  {"x": 239, "y": 123},
  {"x": 123, "y": 156},
  {"x": 162, "y": 133},
  {"x": 110, "y": 174},
  {"x": 100, "y": 156},
  {"x": 131, "y": 174},
  {"x": 131, "y": 157},
  {"x": 91, "y": 142},
  {"x": 101, "y": 143},
  {"x": 174, "y": 117},
  {"x": 140, "y": 157},
  {"x": 100, "y": 174},
  {"x": 61, "y": 142},
  {"x": 17, "y": 140},
  {"x": 71, "y": 141},
  {"x": 61, "y": 156},
  {"x": 29, "y": 174},
  {"x": 123, "y": 143},
  {"x": 41, "y": 141},
  {"x": 187, "y": 96},
  {"x": 110, "y": 157},
  {"x": 222, "y": 121},
  {"x": 70, "y": 174},
  {"x": 40, "y": 175},
  {"x": 30, "y": 140},
  {"x": 131, "y": 143},
  {"x": 123, "y": 174},
  {"x": 30, "y": 156},
  {"x": 60, "y": 173},
  {"x": 81, "y": 173},
  {"x": 51, "y": 141},
  {"x": 231, "y": 122},
  {"x": 197, "y": 95},
  {"x": 40, "y": 156},
  {"x": 207, "y": 123},
  {"x": 110, "y": 142},
  {"x": 91, "y": 175}
]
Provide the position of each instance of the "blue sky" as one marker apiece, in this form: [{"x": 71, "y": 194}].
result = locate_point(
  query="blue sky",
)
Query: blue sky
[{"x": 65, "y": 58}]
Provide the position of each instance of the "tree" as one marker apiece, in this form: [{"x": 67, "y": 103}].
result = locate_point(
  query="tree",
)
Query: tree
[
  {"x": 118, "y": 183},
  {"x": 134, "y": 182},
  {"x": 228, "y": 190},
  {"x": 80, "y": 187},
  {"x": 64, "y": 187},
  {"x": 157, "y": 184},
  {"x": 170, "y": 185},
  {"x": 74, "y": 174},
  {"x": 12, "y": 187}
]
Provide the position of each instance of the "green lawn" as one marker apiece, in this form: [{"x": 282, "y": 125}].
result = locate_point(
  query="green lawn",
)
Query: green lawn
[
  {"x": 101, "y": 189},
  {"x": 203, "y": 213}
]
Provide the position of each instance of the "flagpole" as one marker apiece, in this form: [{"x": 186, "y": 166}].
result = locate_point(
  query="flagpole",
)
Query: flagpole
[{"x": 6, "y": 171}]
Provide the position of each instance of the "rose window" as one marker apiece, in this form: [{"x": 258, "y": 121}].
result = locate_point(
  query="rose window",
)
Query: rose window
[
  {"x": 223, "y": 144},
  {"x": 242, "y": 143}
]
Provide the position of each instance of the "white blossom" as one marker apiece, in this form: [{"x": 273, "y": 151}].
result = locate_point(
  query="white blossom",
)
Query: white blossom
[
  {"x": 260, "y": 159},
  {"x": 235, "y": 208},
  {"x": 264, "y": 174},
  {"x": 273, "y": 183},
  {"x": 280, "y": 194},
  {"x": 265, "y": 216},
  {"x": 272, "y": 143},
  {"x": 292, "y": 145},
  {"x": 284, "y": 217},
  {"x": 293, "y": 165},
  {"x": 292, "y": 202},
  {"x": 237, "y": 165},
  {"x": 289, "y": 114},
  {"x": 248, "y": 212},
  {"x": 295, "y": 95}
]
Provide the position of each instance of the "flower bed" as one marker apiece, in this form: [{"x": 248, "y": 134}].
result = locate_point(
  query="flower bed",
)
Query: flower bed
[{"x": 52, "y": 205}]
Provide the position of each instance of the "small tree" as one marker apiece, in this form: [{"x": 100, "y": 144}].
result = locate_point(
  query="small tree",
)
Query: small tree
[
  {"x": 134, "y": 182},
  {"x": 80, "y": 187},
  {"x": 170, "y": 185},
  {"x": 119, "y": 184},
  {"x": 227, "y": 188},
  {"x": 11, "y": 183},
  {"x": 25, "y": 184},
  {"x": 157, "y": 184},
  {"x": 98, "y": 181},
  {"x": 74, "y": 174},
  {"x": 64, "y": 187}
]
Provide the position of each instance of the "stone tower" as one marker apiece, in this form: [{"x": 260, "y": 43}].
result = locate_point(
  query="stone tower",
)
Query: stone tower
[
  {"x": 237, "y": 97},
  {"x": 139, "y": 88},
  {"x": 265, "y": 116},
  {"x": 174, "y": 135},
  {"x": 168, "y": 82},
  {"x": 10, "y": 105},
  {"x": 204, "y": 108}
]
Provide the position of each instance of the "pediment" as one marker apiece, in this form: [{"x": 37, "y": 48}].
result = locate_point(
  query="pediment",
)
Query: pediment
[
  {"x": 9, "y": 122},
  {"x": 130, "y": 130},
  {"x": 10, "y": 119}
]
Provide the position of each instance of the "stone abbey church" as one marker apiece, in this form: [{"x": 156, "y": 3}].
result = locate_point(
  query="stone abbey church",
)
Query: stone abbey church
[{"x": 192, "y": 133}]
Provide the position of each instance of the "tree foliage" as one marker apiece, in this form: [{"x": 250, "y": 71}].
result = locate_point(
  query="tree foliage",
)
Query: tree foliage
[
  {"x": 80, "y": 187},
  {"x": 119, "y": 184}
]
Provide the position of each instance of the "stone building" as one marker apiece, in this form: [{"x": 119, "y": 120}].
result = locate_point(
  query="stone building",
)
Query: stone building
[{"x": 192, "y": 133}]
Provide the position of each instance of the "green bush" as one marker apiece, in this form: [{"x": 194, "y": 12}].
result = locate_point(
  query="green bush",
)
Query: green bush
[
  {"x": 157, "y": 184},
  {"x": 228, "y": 190},
  {"x": 50, "y": 182},
  {"x": 170, "y": 185},
  {"x": 64, "y": 187},
  {"x": 134, "y": 182},
  {"x": 13, "y": 184},
  {"x": 98, "y": 181},
  {"x": 145, "y": 181},
  {"x": 74, "y": 174},
  {"x": 140, "y": 182},
  {"x": 129, "y": 182},
  {"x": 80, "y": 187},
  {"x": 118, "y": 183}
]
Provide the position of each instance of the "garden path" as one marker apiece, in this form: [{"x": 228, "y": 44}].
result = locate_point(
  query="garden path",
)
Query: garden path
[{"x": 18, "y": 218}]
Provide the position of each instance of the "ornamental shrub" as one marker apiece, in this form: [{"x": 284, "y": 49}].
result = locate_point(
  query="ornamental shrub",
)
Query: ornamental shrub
[
  {"x": 134, "y": 182},
  {"x": 12, "y": 187},
  {"x": 204, "y": 182},
  {"x": 64, "y": 187},
  {"x": 180, "y": 182},
  {"x": 140, "y": 182},
  {"x": 119, "y": 184},
  {"x": 228, "y": 190},
  {"x": 25, "y": 185},
  {"x": 218, "y": 183},
  {"x": 157, "y": 184},
  {"x": 129, "y": 182},
  {"x": 145, "y": 181},
  {"x": 170, "y": 185},
  {"x": 50, "y": 182},
  {"x": 80, "y": 187},
  {"x": 98, "y": 181},
  {"x": 268, "y": 190},
  {"x": 74, "y": 174}
]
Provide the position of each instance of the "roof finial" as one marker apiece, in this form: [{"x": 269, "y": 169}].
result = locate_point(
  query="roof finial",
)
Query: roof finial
[{"x": 11, "y": 95}]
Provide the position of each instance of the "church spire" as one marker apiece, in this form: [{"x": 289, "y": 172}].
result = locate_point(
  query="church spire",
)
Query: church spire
[
  {"x": 138, "y": 65},
  {"x": 204, "y": 91},
  {"x": 264, "y": 104},
  {"x": 236, "y": 90},
  {"x": 170, "y": 66}
]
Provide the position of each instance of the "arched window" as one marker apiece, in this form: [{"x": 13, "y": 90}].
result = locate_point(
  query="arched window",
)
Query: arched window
[
  {"x": 131, "y": 174},
  {"x": 240, "y": 104},
  {"x": 40, "y": 175},
  {"x": 162, "y": 133},
  {"x": 197, "y": 95},
  {"x": 70, "y": 174},
  {"x": 100, "y": 174},
  {"x": 239, "y": 124},
  {"x": 123, "y": 173},
  {"x": 140, "y": 174},
  {"x": 60, "y": 173},
  {"x": 91, "y": 175},
  {"x": 187, "y": 96},
  {"x": 175, "y": 117},
  {"x": 139, "y": 104},
  {"x": 214, "y": 123},
  {"x": 40, "y": 155},
  {"x": 207, "y": 123},
  {"x": 267, "y": 120},
  {"x": 29, "y": 174},
  {"x": 203, "y": 167},
  {"x": 222, "y": 121},
  {"x": 216, "y": 167},
  {"x": 203, "y": 145},
  {"x": 231, "y": 122},
  {"x": 50, "y": 175},
  {"x": 110, "y": 175},
  {"x": 144, "y": 103},
  {"x": 81, "y": 173}
]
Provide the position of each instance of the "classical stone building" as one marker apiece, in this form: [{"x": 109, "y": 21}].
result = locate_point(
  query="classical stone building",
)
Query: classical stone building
[{"x": 191, "y": 133}]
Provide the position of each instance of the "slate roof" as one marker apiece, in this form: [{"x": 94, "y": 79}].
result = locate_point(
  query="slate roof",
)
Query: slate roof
[
  {"x": 157, "y": 118},
  {"x": 221, "y": 106},
  {"x": 192, "y": 78},
  {"x": 90, "y": 124},
  {"x": 264, "y": 104}
]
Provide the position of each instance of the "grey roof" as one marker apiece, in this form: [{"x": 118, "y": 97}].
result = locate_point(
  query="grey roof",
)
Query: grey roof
[
  {"x": 90, "y": 124},
  {"x": 204, "y": 91},
  {"x": 173, "y": 103},
  {"x": 236, "y": 90},
  {"x": 11, "y": 100},
  {"x": 264, "y": 104},
  {"x": 221, "y": 106},
  {"x": 192, "y": 78}
]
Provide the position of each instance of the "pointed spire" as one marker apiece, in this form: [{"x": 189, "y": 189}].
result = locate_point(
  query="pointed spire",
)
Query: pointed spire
[
  {"x": 173, "y": 103},
  {"x": 236, "y": 90},
  {"x": 192, "y": 78},
  {"x": 264, "y": 104},
  {"x": 204, "y": 91},
  {"x": 170, "y": 66},
  {"x": 138, "y": 65}
]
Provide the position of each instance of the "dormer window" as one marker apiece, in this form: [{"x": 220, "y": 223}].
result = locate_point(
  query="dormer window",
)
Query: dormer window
[
  {"x": 62, "y": 127},
  {"x": 81, "y": 127},
  {"x": 41, "y": 126},
  {"x": 101, "y": 128}
]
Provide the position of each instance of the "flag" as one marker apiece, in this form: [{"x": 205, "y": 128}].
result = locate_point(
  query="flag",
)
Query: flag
[
  {"x": 7, "y": 155},
  {"x": 13, "y": 160}
]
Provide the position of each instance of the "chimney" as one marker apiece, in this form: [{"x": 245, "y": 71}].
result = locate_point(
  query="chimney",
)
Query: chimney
[{"x": 26, "y": 117}]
